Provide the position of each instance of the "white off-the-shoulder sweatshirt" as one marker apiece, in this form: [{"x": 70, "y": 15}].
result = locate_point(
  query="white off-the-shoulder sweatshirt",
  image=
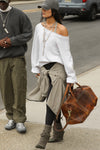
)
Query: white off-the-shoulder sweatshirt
[{"x": 57, "y": 49}]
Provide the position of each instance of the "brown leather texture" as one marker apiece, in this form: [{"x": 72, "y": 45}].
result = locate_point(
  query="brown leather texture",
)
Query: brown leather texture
[{"x": 78, "y": 105}]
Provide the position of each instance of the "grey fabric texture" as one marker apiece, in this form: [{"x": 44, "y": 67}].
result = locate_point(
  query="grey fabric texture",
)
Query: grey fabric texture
[
  {"x": 50, "y": 4},
  {"x": 20, "y": 32},
  {"x": 58, "y": 81}
]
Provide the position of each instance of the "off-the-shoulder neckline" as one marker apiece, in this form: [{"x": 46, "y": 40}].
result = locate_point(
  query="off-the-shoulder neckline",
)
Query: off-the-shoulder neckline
[{"x": 61, "y": 36}]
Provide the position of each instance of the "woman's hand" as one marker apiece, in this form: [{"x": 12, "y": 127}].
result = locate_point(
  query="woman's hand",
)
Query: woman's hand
[
  {"x": 70, "y": 84},
  {"x": 37, "y": 75}
]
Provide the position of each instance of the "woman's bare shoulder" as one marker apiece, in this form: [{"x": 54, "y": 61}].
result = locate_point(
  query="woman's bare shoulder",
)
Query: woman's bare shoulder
[{"x": 62, "y": 30}]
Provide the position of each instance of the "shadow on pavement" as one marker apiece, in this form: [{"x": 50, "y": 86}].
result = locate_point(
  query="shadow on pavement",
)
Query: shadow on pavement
[
  {"x": 74, "y": 139},
  {"x": 79, "y": 139}
]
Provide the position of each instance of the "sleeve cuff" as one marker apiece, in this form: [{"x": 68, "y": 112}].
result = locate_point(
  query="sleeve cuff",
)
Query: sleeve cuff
[
  {"x": 35, "y": 70},
  {"x": 12, "y": 41},
  {"x": 71, "y": 80}
]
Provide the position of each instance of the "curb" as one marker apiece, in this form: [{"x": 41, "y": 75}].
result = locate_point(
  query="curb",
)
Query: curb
[
  {"x": 88, "y": 71},
  {"x": 25, "y": 2}
]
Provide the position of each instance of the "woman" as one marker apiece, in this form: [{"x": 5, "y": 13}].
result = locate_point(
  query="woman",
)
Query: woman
[{"x": 53, "y": 65}]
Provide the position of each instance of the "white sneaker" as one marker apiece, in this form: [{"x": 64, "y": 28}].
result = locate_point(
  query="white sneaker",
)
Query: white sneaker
[
  {"x": 10, "y": 125},
  {"x": 20, "y": 127}
]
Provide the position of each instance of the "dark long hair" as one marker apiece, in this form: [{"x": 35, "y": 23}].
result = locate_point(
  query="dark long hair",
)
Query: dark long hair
[{"x": 55, "y": 14}]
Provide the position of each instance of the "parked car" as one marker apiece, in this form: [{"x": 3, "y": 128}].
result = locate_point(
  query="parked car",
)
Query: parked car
[{"x": 87, "y": 8}]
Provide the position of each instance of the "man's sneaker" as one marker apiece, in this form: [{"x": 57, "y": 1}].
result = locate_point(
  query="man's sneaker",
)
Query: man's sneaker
[
  {"x": 10, "y": 125},
  {"x": 20, "y": 127}
]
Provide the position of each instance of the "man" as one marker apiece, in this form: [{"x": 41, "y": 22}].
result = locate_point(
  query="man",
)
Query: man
[{"x": 15, "y": 32}]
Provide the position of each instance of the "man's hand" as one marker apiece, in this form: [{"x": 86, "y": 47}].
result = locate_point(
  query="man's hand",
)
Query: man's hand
[
  {"x": 2, "y": 42},
  {"x": 5, "y": 43}
]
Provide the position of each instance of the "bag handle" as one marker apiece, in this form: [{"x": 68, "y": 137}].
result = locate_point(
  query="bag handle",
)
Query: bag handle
[
  {"x": 83, "y": 108},
  {"x": 69, "y": 111},
  {"x": 68, "y": 88},
  {"x": 66, "y": 92},
  {"x": 78, "y": 85}
]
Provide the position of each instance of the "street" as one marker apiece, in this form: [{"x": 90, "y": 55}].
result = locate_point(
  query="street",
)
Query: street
[{"x": 84, "y": 42}]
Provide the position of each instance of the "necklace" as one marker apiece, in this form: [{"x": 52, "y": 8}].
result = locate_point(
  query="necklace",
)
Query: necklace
[
  {"x": 44, "y": 34},
  {"x": 4, "y": 22}
]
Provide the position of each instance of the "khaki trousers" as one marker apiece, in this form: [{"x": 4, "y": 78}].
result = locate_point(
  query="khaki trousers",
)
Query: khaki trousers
[{"x": 13, "y": 87}]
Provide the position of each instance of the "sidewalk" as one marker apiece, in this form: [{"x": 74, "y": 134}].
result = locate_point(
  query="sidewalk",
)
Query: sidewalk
[
  {"x": 26, "y": 2},
  {"x": 85, "y": 136}
]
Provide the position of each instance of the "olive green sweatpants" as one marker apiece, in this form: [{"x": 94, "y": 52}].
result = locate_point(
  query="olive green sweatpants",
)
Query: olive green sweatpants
[{"x": 13, "y": 87}]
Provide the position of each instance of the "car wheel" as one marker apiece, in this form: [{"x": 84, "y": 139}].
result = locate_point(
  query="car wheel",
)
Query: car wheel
[{"x": 92, "y": 13}]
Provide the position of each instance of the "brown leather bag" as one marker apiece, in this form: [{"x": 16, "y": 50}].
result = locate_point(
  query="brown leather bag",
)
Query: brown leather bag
[{"x": 78, "y": 105}]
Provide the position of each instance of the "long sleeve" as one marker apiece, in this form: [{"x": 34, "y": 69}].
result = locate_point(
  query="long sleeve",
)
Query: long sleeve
[
  {"x": 35, "y": 53},
  {"x": 25, "y": 32},
  {"x": 64, "y": 50}
]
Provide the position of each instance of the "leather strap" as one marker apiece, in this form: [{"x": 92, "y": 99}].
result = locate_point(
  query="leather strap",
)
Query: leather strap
[
  {"x": 66, "y": 93},
  {"x": 68, "y": 88}
]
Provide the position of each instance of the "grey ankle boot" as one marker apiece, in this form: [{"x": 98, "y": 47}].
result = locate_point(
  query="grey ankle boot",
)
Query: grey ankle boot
[
  {"x": 57, "y": 135},
  {"x": 44, "y": 137}
]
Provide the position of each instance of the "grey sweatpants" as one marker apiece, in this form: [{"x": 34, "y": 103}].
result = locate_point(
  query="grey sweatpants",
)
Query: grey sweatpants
[{"x": 13, "y": 87}]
